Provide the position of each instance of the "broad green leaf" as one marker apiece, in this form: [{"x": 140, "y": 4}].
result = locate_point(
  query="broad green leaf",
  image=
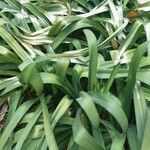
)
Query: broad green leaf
[
  {"x": 13, "y": 44},
  {"x": 7, "y": 82},
  {"x": 140, "y": 110},
  {"x": 132, "y": 75},
  {"x": 73, "y": 27},
  {"x": 27, "y": 129},
  {"x": 54, "y": 79},
  {"x": 11, "y": 87},
  {"x": 132, "y": 138},
  {"x": 84, "y": 64},
  {"x": 30, "y": 75},
  {"x": 81, "y": 135},
  {"x": 87, "y": 104},
  {"x": 118, "y": 142},
  {"x": 112, "y": 106},
  {"x": 93, "y": 56},
  {"x": 61, "y": 67},
  {"x": 51, "y": 142},
  {"x": 61, "y": 109}
]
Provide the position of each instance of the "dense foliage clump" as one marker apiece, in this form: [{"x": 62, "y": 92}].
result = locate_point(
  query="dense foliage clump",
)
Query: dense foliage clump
[{"x": 74, "y": 74}]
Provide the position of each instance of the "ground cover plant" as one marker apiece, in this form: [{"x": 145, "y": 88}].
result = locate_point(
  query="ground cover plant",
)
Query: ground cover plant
[{"x": 74, "y": 74}]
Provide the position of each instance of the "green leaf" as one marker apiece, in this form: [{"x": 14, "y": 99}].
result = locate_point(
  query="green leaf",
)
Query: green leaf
[
  {"x": 60, "y": 110},
  {"x": 140, "y": 110},
  {"x": 131, "y": 37},
  {"x": 132, "y": 75},
  {"x": 93, "y": 57},
  {"x": 7, "y": 56},
  {"x": 146, "y": 134},
  {"x": 36, "y": 11},
  {"x": 73, "y": 27},
  {"x": 132, "y": 138},
  {"x": 112, "y": 105},
  {"x": 47, "y": 127},
  {"x": 13, "y": 104},
  {"x": 13, "y": 44},
  {"x": 87, "y": 104},
  {"x": 61, "y": 67},
  {"x": 54, "y": 79},
  {"x": 30, "y": 75},
  {"x": 118, "y": 142},
  {"x": 20, "y": 112},
  {"x": 81, "y": 136},
  {"x": 27, "y": 129}
]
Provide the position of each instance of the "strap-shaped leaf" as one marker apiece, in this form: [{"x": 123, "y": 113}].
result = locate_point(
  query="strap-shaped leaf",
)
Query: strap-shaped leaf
[
  {"x": 13, "y": 44},
  {"x": 15, "y": 120},
  {"x": 51, "y": 142},
  {"x": 81, "y": 135},
  {"x": 37, "y": 11},
  {"x": 132, "y": 138},
  {"x": 112, "y": 106},
  {"x": 146, "y": 135},
  {"x": 140, "y": 110},
  {"x": 118, "y": 142},
  {"x": 54, "y": 79},
  {"x": 132, "y": 75},
  {"x": 87, "y": 104},
  {"x": 73, "y": 27},
  {"x": 27, "y": 129},
  {"x": 30, "y": 75},
  {"x": 7, "y": 56},
  {"x": 62, "y": 107},
  {"x": 93, "y": 57}
]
